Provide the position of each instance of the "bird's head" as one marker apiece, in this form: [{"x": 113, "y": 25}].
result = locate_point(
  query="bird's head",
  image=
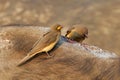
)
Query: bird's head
[
  {"x": 81, "y": 30},
  {"x": 57, "y": 27}
]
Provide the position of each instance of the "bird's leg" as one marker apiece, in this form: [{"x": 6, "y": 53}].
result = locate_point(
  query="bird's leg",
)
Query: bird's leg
[{"x": 49, "y": 55}]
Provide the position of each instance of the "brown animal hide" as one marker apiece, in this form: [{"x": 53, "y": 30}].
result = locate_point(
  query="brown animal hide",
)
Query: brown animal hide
[{"x": 72, "y": 61}]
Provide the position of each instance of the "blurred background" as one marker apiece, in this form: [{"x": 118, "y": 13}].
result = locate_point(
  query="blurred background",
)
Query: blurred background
[{"x": 102, "y": 17}]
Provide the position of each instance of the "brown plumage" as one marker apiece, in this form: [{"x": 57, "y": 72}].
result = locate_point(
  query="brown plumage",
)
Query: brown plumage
[
  {"x": 44, "y": 44},
  {"x": 77, "y": 33}
]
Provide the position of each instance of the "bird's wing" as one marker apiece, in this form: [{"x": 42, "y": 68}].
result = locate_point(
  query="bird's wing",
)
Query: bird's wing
[
  {"x": 46, "y": 34},
  {"x": 39, "y": 40},
  {"x": 76, "y": 35},
  {"x": 44, "y": 42}
]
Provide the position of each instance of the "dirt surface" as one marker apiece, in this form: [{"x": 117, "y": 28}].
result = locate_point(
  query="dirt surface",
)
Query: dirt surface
[{"x": 100, "y": 16}]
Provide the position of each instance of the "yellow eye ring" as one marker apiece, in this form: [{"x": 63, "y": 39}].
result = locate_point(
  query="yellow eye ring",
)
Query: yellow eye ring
[{"x": 59, "y": 27}]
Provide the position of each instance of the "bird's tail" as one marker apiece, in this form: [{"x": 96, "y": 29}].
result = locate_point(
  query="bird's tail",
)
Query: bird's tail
[{"x": 25, "y": 59}]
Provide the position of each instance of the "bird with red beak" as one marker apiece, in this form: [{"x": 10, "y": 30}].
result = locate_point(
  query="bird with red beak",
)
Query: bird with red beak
[{"x": 77, "y": 33}]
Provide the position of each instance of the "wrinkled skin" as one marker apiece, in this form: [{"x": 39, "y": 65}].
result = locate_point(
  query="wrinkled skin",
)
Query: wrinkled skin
[{"x": 70, "y": 62}]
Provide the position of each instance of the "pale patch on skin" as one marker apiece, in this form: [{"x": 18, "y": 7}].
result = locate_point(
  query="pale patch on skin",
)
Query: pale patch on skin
[
  {"x": 101, "y": 53},
  {"x": 4, "y": 43},
  {"x": 98, "y": 52},
  {"x": 43, "y": 28}
]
